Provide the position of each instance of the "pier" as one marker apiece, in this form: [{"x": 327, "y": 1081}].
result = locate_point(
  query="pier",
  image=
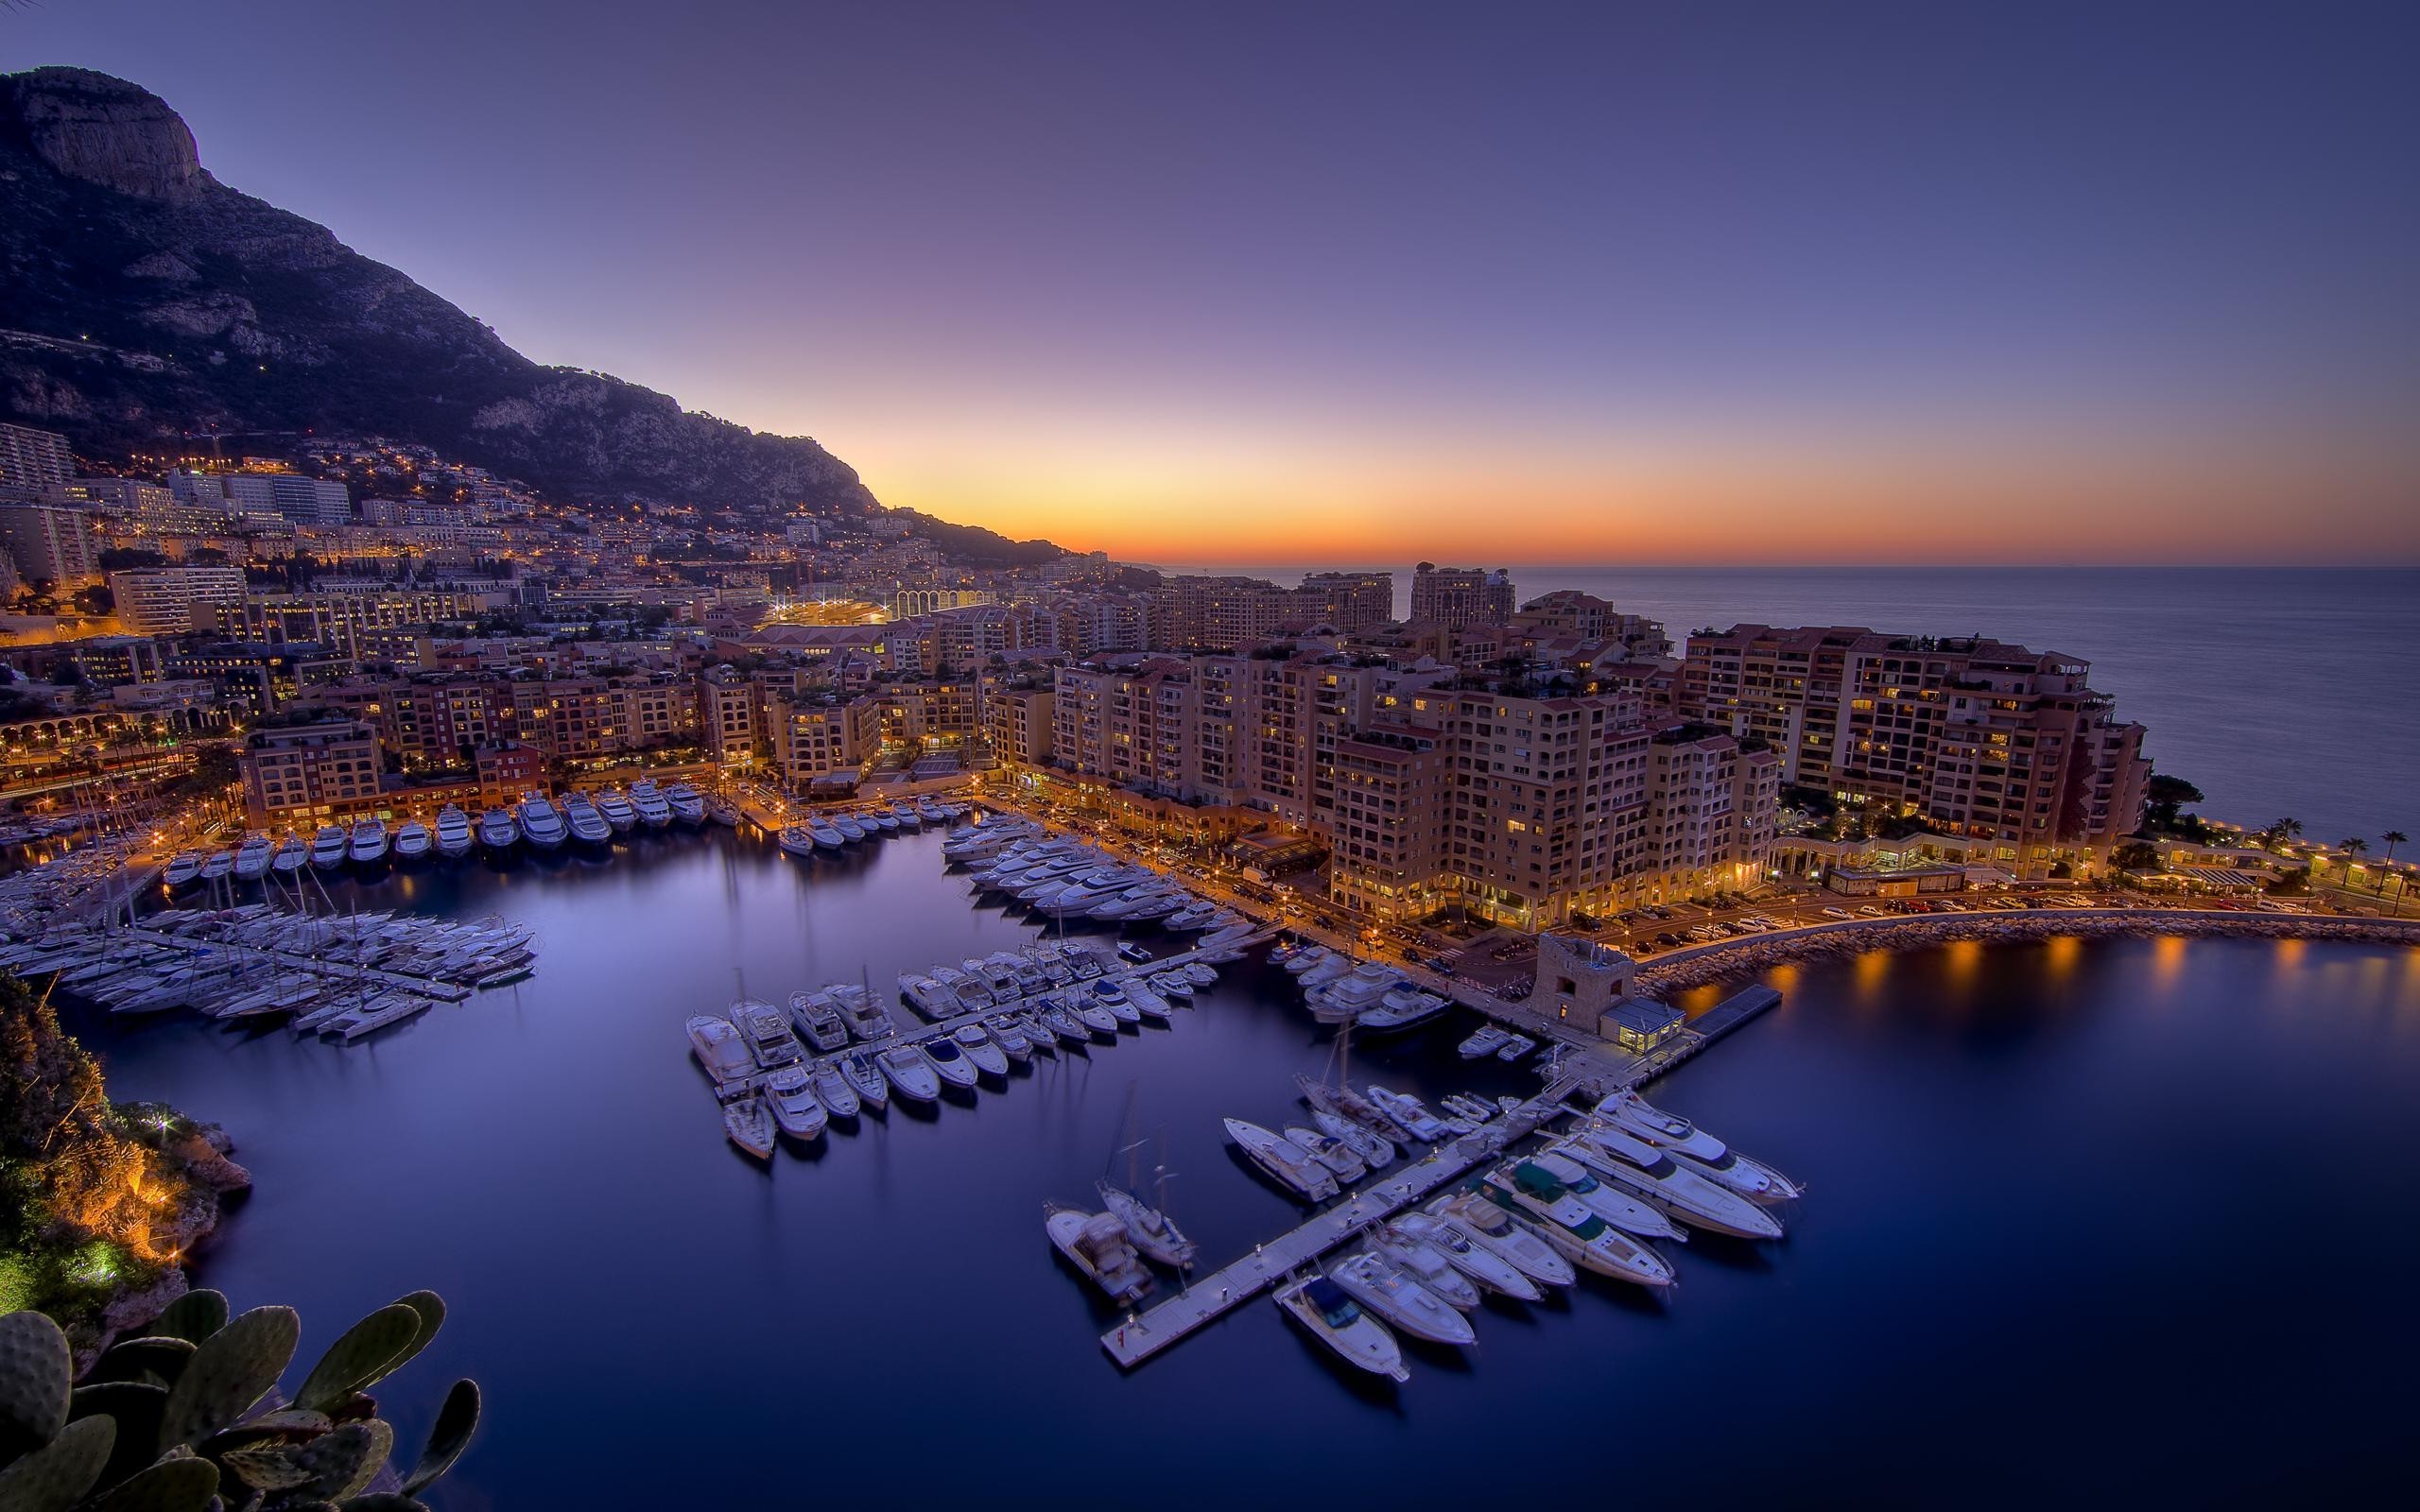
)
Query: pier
[{"x": 427, "y": 986}]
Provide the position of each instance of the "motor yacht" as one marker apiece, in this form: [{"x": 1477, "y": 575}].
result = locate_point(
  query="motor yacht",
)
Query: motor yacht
[
  {"x": 1553, "y": 1215},
  {"x": 586, "y": 824},
  {"x": 1335, "y": 1155},
  {"x": 541, "y": 822},
  {"x": 721, "y": 1048},
  {"x": 1376, "y": 1151},
  {"x": 1408, "y": 1114},
  {"x": 910, "y": 1072},
  {"x": 1425, "y": 1263},
  {"x": 795, "y": 840},
  {"x": 1150, "y": 1230},
  {"x": 454, "y": 836},
  {"x": 1116, "y": 999},
  {"x": 328, "y": 847},
  {"x": 1405, "y": 1005},
  {"x": 616, "y": 810},
  {"x": 1490, "y": 1227},
  {"x": 1385, "y": 1290},
  {"x": 290, "y": 856},
  {"x": 1147, "y": 1004},
  {"x": 1010, "y": 1031},
  {"x": 931, "y": 811},
  {"x": 818, "y": 1019},
  {"x": 949, "y": 1062},
  {"x": 687, "y": 804},
  {"x": 369, "y": 844},
  {"x": 824, "y": 835},
  {"x": 1515, "y": 1048},
  {"x": 1328, "y": 1313},
  {"x": 1345, "y": 1103},
  {"x": 976, "y": 1044},
  {"x": 1097, "y": 1245},
  {"x": 850, "y": 828},
  {"x": 1170, "y": 985},
  {"x": 792, "y": 1093},
  {"x": 1487, "y": 1040},
  {"x": 497, "y": 832},
  {"x": 749, "y": 1124},
  {"x": 251, "y": 858},
  {"x": 866, "y": 1079},
  {"x": 834, "y": 1091},
  {"x": 857, "y": 1010},
  {"x": 413, "y": 842},
  {"x": 649, "y": 803},
  {"x": 767, "y": 1033},
  {"x": 184, "y": 871},
  {"x": 1289, "y": 1165},
  {"x": 1614, "y": 1205},
  {"x": 1481, "y": 1264},
  {"x": 1641, "y": 1120},
  {"x": 1065, "y": 1025},
  {"x": 1692, "y": 1194}
]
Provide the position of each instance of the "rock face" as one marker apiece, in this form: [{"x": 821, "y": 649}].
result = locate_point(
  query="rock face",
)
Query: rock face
[{"x": 141, "y": 298}]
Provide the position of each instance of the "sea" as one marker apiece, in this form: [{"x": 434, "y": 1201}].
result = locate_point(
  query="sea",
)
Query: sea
[
  {"x": 2280, "y": 692},
  {"x": 2085, "y": 1222}
]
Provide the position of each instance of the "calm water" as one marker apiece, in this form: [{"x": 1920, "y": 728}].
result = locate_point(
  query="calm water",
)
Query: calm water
[
  {"x": 2087, "y": 1221},
  {"x": 2279, "y": 692}
]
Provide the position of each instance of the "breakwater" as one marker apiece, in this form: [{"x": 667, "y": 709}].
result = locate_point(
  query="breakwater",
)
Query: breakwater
[{"x": 1728, "y": 960}]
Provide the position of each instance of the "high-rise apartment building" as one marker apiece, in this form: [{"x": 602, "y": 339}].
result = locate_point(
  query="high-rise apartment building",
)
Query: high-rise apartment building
[
  {"x": 1459, "y": 597},
  {"x": 174, "y": 600},
  {"x": 32, "y": 462},
  {"x": 47, "y": 542},
  {"x": 309, "y": 773}
]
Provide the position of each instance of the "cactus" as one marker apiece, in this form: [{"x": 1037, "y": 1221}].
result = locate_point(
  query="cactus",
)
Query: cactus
[
  {"x": 265, "y": 1468},
  {"x": 382, "y": 1501},
  {"x": 35, "y": 1368},
  {"x": 179, "y": 1484},
  {"x": 193, "y": 1318},
  {"x": 431, "y": 1309},
  {"x": 232, "y": 1369},
  {"x": 455, "y": 1422},
  {"x": 342, "y": 1462},
  {"x": 56, "y": 1476},
  {"x": 160, "y": 1360},
  {"x": 135, "y": 1408},
  {"x": 360, "y": 1358}
]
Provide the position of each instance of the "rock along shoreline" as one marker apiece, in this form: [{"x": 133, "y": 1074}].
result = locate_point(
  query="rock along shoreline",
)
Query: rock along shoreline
[{"x": 1724, "y": 961}]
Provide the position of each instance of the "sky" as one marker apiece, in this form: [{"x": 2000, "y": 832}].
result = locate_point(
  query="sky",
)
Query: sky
[{"x": 1608, "y": 282}]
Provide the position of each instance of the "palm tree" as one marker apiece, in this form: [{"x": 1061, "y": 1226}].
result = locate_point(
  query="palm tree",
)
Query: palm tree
[
  {"x": 2281, "y": 831},
  {"x": 2392, "y": 838}
]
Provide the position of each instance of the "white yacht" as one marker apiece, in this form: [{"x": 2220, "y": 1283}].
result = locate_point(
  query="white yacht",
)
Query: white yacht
[
  {"x": 1693, "y": 1197},
  {"x": 328, "y": 847},
  {"x": 866, "y": 1079},
  {"x": 1534, "y": 1198},
  {"x": 616, "y": 810},
  {"x": 795, "y": 1106},
  {"x": 1478, "y": 1262},
  {"x": 686, "y": 803},
  {"x": 824, "y": 835},
  {"x": 252, "y": 858},
  {"x": 1151, "y": 1230},
  {"x": 290, "y": 857},
  {"x": 1405, "y": 1005},
  {"x": 949, "y": 1062},
  {"x": 652, "y": 809},
  {"x": 837, "y": 1090},
  {"x": 910, "y": 1073},
  {"x": 453, "y": 832},
  {"x": 1486, "y": 1040},
  {"x": 1116, "y": 1000},
  {"x": 586, "y": 824},
  {"x": 368, "y": 845},
  {"x": 1377, "y": 1152},
  {"x": 819, "y": 1018},
  {"x": 1642, "y": 1120},
  {"x": 1428, "y": 1264},
  {"x": 797, "y": 840},
  {"x": 976, "y": 1044},
  {"x": 182, "y": 871},
  {"x": 1490, "y": 1227},
  {"x": 720, "y": 1049},
  {"x": 848, "y": 826},
  {"x": 1614, "y": 1205},
  {"x": 1408, "y": 1114},
  {"x": 1293, "y": 1167},
  {"x": 496, "y": 829},
  {"x": 1335, "y": 1155},
  {"x": 1386, "y": 1291},
  {"x": 413, "y": 842},
  {"x": 749, "y": 1124},
  {"x": 767, "y": 1033},
  {"x": 541, "y": 823},
  {"x": 1328, "y": 1313},
  {"x": 1098, "y": 1246}
]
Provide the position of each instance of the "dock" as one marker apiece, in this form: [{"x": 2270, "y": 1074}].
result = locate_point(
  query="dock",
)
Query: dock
[
  {"x": 1211, "y": 1296},
  {"x": 427, "y": 986}
]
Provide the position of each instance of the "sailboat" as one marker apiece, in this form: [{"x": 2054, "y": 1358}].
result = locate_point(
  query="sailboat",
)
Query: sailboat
[{"x": 1152, "y": 1231}]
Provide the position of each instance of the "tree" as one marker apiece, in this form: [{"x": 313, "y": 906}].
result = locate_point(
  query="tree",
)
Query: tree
[
  {"x": 2135, "y": 856},
  {"x": 2392, "y": 838},
  {"x": 2279, "y": 831},
  {"x": 2164, "y": 798},
  {"x": 2353, "y": 850}
]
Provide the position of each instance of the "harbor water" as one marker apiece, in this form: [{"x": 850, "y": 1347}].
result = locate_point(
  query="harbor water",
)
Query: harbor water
[{"x": 2120, "y": 1220}]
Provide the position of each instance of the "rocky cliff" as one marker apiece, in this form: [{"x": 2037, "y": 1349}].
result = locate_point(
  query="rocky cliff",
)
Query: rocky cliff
[{"x": 141, "y": 298}]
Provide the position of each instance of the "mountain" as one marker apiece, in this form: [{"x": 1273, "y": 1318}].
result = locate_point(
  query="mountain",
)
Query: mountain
[{"x": 141, "y": 298}]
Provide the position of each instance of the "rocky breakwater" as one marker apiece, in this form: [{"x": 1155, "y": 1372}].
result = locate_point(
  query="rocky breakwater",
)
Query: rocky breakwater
[{"x": 1732, "y": 960}]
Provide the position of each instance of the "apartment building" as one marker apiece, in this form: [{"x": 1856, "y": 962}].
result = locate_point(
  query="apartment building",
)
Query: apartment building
[
  {"x": 32, "y": 462},
  {"x": 174, "y": 600},
  {"x": 1459, "y": 597},
  {"x": 1386, "y": 833},
  {"x": 1354, "y": 603},
  {"x": 304, "y": 500},
  {"x": 1591, "y": 621},
  {"x": 310, "y": 773},
  {"x": 815, "y": 735},
  {"x": 49, "y": 542},
  {"x": 730, "y": 714},
  {"x": 341, "y": 619},
  {"x": 1017, "y": 719},
  {"x": 1978, "y": 738}
]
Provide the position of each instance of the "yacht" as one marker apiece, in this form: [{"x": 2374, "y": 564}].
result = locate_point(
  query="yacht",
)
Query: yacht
[
  {"x": 1428, "y": 1265},
  {"x": 910, "y": 1073},
  {"x": 857, "y": 1010},
  {"x": 290, "y": 857},
  {"x": 1116, "y": 1000},
  {"x": 453, "y": 832},
  {"x": 652, "y": 809},
  {"x": 1097, "y": 1245},
  {"x": 1480, "y": 1263},
  {"x": 824, "y": 835},
  {"x": 720, "y": 1049},
  {"x": 724, "y": 811},
  {"x": 820, "y": 1019},
  {"x": 931, "y": 811},
  {"x": 1485, "y": 1042},
  {"x": 496, "y": 829},
  {"x": 1329, "y": 1314},
  {"x": 1345, "y": 1103},
  {"x": 251, "y": 858},
  {"x": 1147, "y": 1004},
  {"x": 1613, "y": 1204},
  {"x": 328, "y": 847},
  {"x": 1693, "y": 1195},
  {"x": 848, "y": 826},
  {"x": 972, "y": 995},
  {"x": 949, "y": 1062},
  {"x": 616, "y": 810},
  {"x": 541, "y": 822},
  {"x": 1515, "y": 1048},
  {"x": 1642, "y": 1120},
  {"x": 1405, "y": 1005},
  {"x": 794, "y": 1104},
  {"x": 587, "y": 826},
  {"x": 977, "y": 1045},
  {"x": 1293, "y": 1167},
  {"x": 928, "y": 997},
  {"x": 1386, "y": 1291},
  {"x": 1009, "y": 1031},
  {"x": 687, "y": 805},
  {"x": 1059, "y": 1022},
  {"x": 834, "y": 1091},
  {"x": 1335, "y": 1155},
  {"x": 797, "y": 840},
  {"x": 368, "y": 845},
  {"x": 749, "y": 1124},
  {"x": 1376, "y": 1151},
  {"x": 866, "y": 1079},
  {"x": 1086, "y": 1010},
  {"x": 1491, "y": 1228},
  {"x": 1577, "y": 1235},
  {"x": 1308, "y": 956},
  {"x": 1346, "y": 998},
  {"x": 1151, "y": 1230},
  {"x": 413, "y": 842},
  {"x": 182, "y": 871},
  {"x": 767, "y": 1034},
  {"x": 1408, "y": 1114}
]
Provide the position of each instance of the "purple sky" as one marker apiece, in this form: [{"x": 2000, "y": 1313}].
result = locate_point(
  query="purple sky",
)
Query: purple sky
[{"x": 2057, "y": 282}]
